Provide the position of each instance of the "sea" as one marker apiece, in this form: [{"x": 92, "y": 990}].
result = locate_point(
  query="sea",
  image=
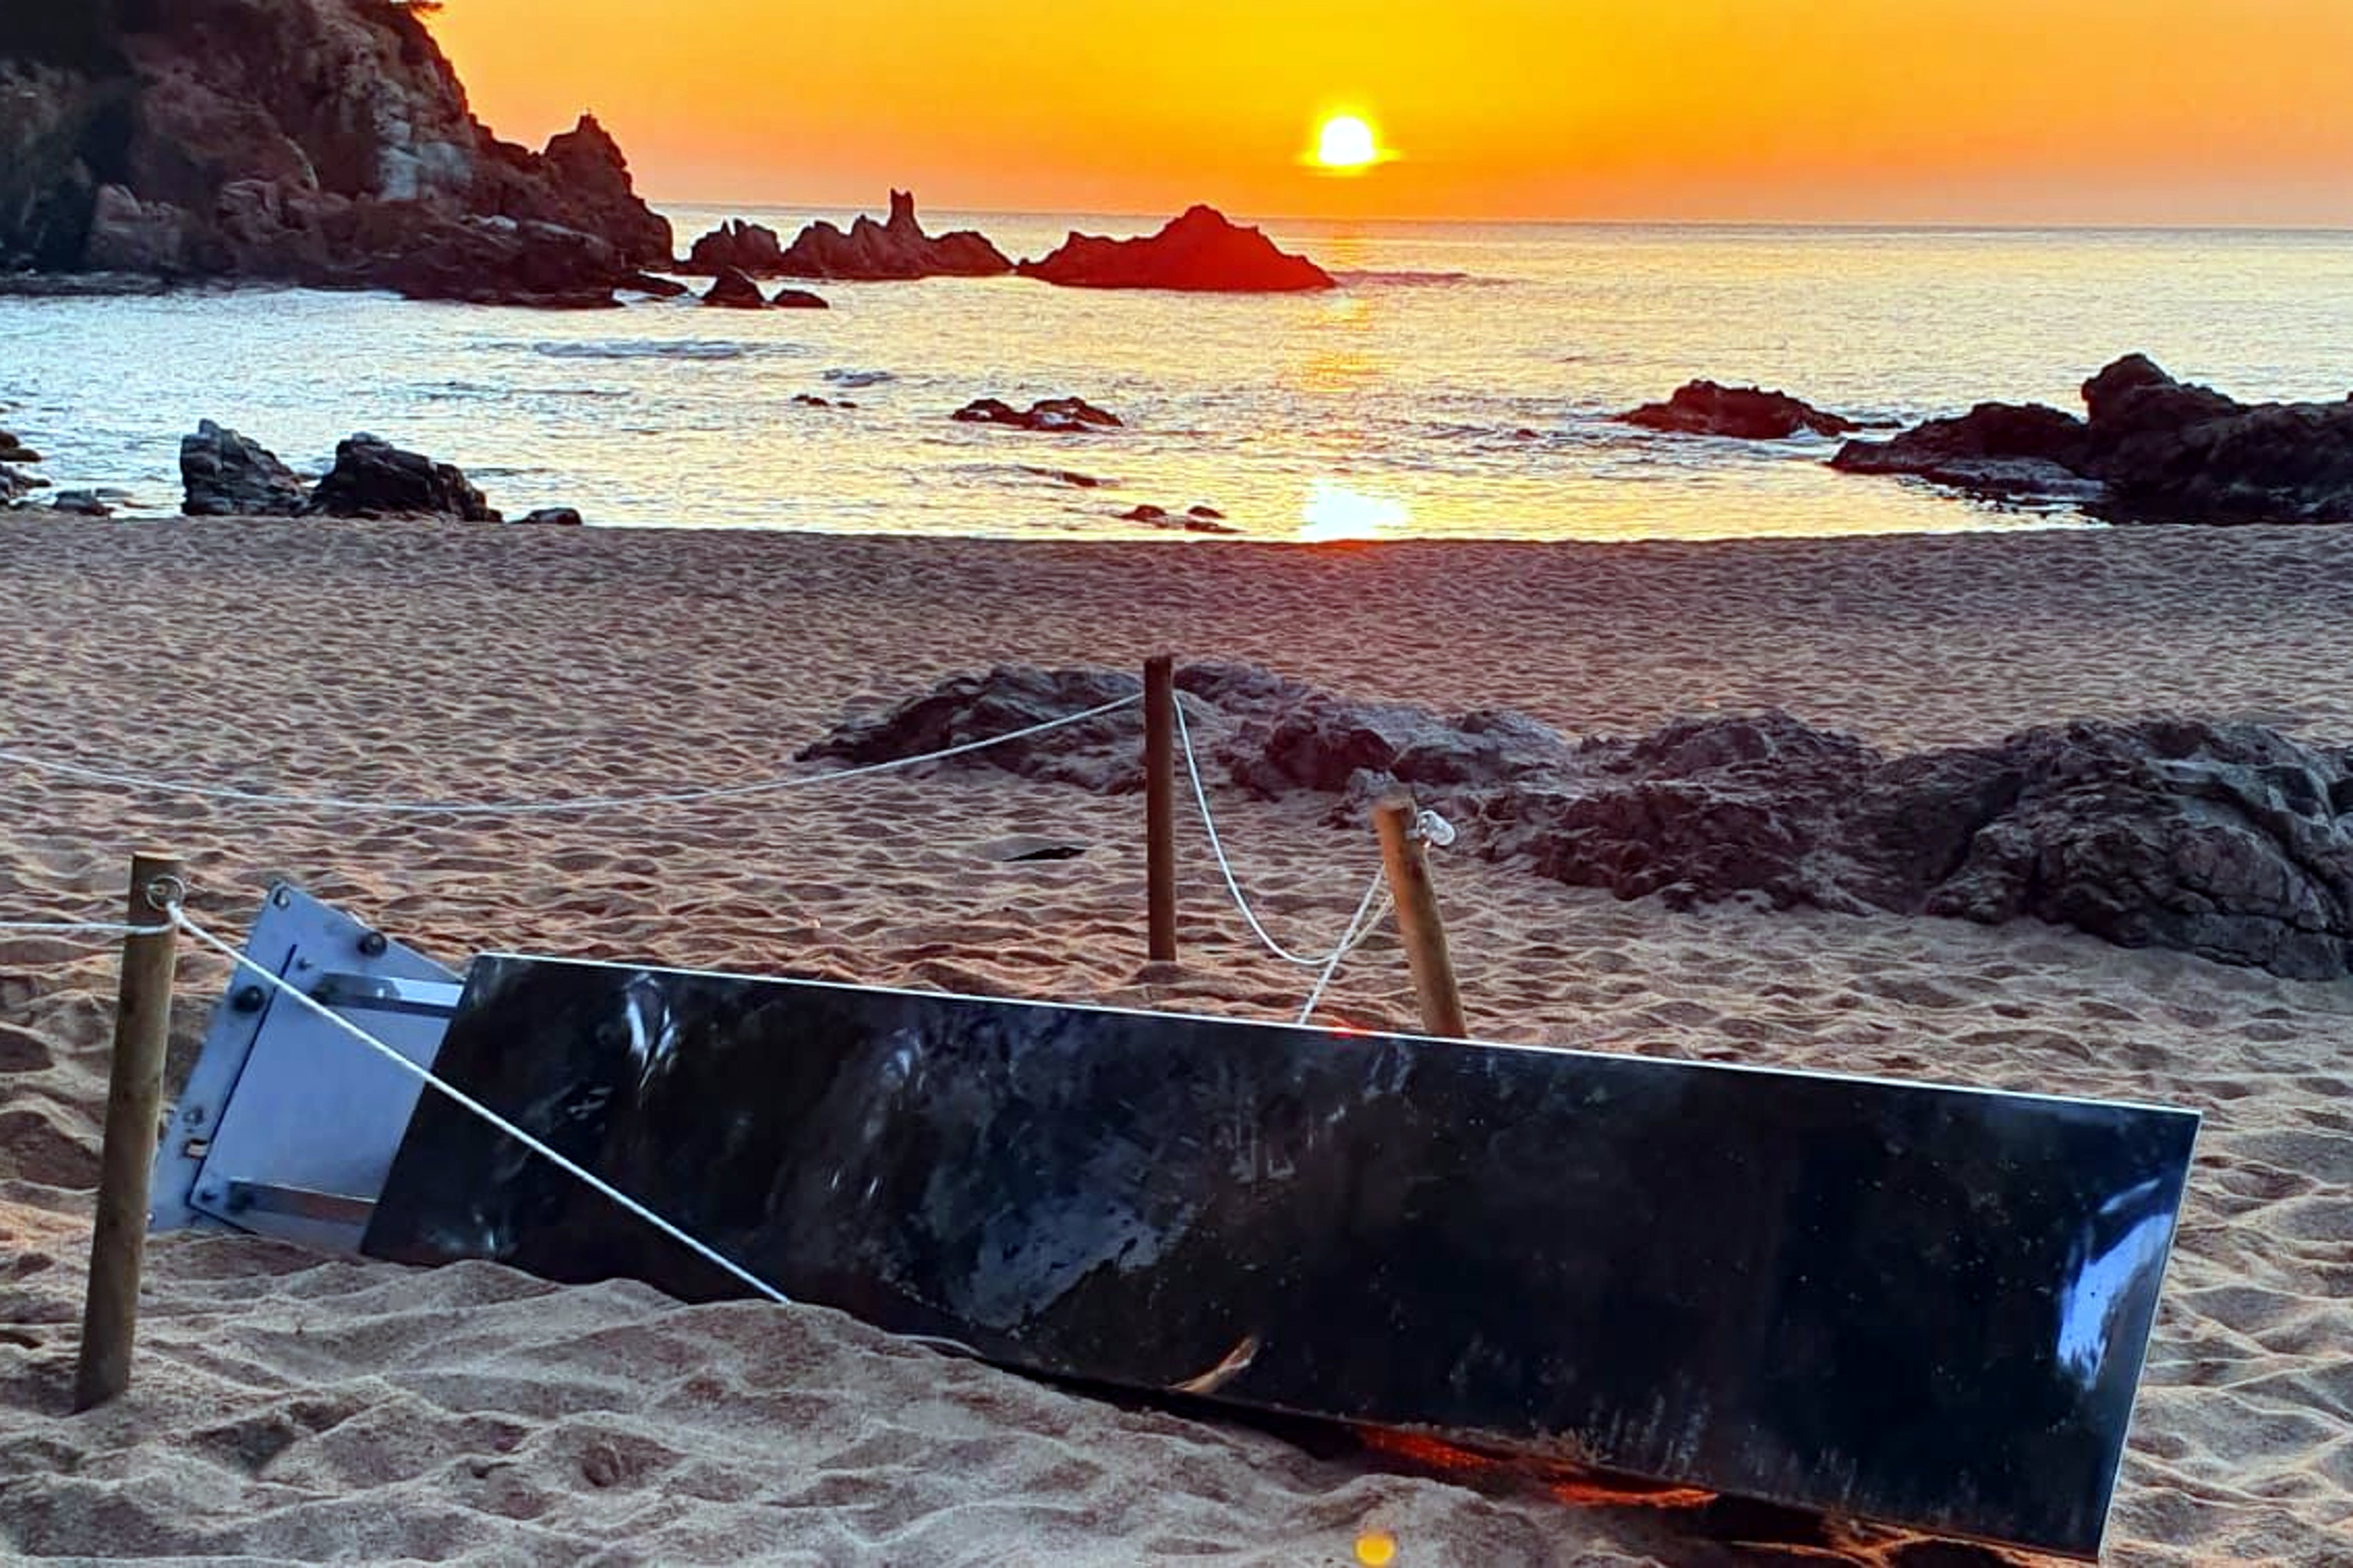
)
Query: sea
[{"x": 1459, "y": 382}]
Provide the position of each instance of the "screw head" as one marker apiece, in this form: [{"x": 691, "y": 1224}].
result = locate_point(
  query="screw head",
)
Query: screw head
[
  {"x": 248, "y": 998},
  {"x": 373, "y": 945}
]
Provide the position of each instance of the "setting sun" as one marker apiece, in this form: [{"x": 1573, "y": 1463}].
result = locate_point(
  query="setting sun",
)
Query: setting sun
[{"x": 1346, "y": 143}]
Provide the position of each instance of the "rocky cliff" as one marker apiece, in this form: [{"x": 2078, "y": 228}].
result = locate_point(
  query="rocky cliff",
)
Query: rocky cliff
[{"x": 319, "y": 142}]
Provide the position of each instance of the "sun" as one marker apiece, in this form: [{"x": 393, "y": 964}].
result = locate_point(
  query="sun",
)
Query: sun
[{"x": 1346, "y": 143}]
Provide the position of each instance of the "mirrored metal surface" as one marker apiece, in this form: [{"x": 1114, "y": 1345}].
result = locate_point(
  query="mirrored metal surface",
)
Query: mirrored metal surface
[{"x": 1925, "y": 1306}]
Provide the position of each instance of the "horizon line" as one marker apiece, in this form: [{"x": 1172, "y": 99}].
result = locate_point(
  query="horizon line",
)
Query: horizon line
[{"x": 1939, "y": 226}]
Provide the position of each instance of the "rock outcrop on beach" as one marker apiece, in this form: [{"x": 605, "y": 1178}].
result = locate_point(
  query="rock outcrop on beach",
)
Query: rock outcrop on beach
[
  {"x": 895, "y": 250},
  {"x": 2226, "y": 840},
  {"x": 748, "y": 247},
  {"x": 228, "y": 474},
  {"x": 1052, "y": 414},
  {"x": 798, "y": 300},
  {"x": 374, "y": 479},
  {"x": 1200, "y": 251},
  {"x": 2152, "y": 449},
  {"x": 1743, "y": 413},
  {"x": 319, "y": 142}
]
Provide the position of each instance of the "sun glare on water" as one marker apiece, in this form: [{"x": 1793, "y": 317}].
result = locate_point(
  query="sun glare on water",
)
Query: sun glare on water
[{"x": 1345, "y": 143}]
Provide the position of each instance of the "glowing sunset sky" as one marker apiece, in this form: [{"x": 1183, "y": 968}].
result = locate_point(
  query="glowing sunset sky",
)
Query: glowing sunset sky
[{"x": 1902, "y": 110}]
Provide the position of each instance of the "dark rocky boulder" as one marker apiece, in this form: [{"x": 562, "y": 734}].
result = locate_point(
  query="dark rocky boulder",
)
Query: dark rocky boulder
[
  {"x": 228, "y": 474},
  {"x": 1743, "y": 413},
  {"x": 1193, "y": 520},
  {"x": 751, "y": 249},
  {"x": 655, "y": 285},
  {"x": 1054, "y": 414},
  {"x": 2225, "y": 840},
  {"x": 501, "y": 261},
  {"x": 895, "y": 249},
  {"x": 2007, "y": 450},
  {"x": 14, "y": 483},
  {"x": 1100, "y": 754},
  {"x": 553, "y": 517},
  {"x": 2153, "y": 449},
  {"x": 318, "y": 142},
  {"x": 79, "y": 503},
  {"x": 798, "y": 300},
  {"x": 1199, "y": 251},
  {"x": 733, "y": 291},
  {"x": 374, "y": 479}
]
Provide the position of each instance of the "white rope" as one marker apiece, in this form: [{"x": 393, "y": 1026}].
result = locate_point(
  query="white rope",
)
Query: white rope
[
  {"x": 467, "y": 1103},
  {"x": 1350, "y": 939},
  {"x": 1359, "y": 928},
  {"x": 545, "y": 808}
]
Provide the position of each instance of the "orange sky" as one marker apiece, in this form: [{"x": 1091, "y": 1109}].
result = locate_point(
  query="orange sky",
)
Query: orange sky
[{"x": 2161, "y": 112}]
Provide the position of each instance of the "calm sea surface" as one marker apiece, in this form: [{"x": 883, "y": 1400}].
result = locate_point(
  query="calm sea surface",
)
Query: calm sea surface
[{"x": 1455, "y": 386}]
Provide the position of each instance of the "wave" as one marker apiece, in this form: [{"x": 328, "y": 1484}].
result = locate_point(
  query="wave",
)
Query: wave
[
  {"x": 1377, "y": 278},
  {"x": 703, "y": 348},
  {"x": 840, "y": 377}
]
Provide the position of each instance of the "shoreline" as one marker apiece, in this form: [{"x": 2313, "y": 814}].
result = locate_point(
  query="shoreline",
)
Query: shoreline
[{"x": 288, "y": 1407}]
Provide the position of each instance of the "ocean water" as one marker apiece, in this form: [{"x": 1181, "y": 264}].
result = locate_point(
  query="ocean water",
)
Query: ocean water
[{"x": 1457, "y": 384}]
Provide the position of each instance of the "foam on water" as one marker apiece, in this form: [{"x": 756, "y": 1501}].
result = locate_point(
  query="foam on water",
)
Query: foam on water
[{"x": 1460, "y": 384}]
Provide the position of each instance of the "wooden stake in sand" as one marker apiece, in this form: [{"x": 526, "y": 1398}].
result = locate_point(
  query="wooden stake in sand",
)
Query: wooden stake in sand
[
  {"x": 134, "y": 1098},
  {"x": 1160, "y": 802},
  {"x": 1394, "y": 818}
]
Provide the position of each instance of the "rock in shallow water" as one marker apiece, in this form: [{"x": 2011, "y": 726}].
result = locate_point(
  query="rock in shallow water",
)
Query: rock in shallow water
[
  {"x": 374, "y": 479},
  {"x": 897, "y": 249},
  {"x": 2225, "y": 840},
  {"x": 1055, "y": 413},
  {"x": 1743, "y": 413},
  {"x": 229, "y": 475},
  {"x": 733, "y": 291},
  {"x": 2153, "y": 450},
  {"x": 737, "y": 247},
  {"x": 1200, "y": 250}
]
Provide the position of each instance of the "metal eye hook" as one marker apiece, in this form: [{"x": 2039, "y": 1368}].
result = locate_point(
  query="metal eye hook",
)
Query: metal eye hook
[{"x": 166, "y": 894}]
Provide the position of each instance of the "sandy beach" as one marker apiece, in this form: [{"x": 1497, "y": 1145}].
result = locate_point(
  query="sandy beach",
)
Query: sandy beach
[{"x": 295, "y": 1408}]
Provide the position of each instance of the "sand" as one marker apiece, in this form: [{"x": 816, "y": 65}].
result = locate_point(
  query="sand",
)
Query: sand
[{"x": 295, "y": 1408}]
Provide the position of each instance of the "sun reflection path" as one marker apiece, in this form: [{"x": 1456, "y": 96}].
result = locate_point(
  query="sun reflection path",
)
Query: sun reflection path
[{"x": 1332, "y": 512}]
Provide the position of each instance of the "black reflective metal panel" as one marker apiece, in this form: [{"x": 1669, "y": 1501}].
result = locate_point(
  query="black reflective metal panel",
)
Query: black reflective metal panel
[{"x": 1924, "y": 1305}]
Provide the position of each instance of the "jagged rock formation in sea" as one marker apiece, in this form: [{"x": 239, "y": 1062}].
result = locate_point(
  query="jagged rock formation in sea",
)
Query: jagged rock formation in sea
[
  {"x": 895, "y": 249},
  {"x": 1200, "y": 251},
  {"x": 319, "y": 142},
  {"x": 2153, "y": 449},
  {"x": 2227, "y": 840}
]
